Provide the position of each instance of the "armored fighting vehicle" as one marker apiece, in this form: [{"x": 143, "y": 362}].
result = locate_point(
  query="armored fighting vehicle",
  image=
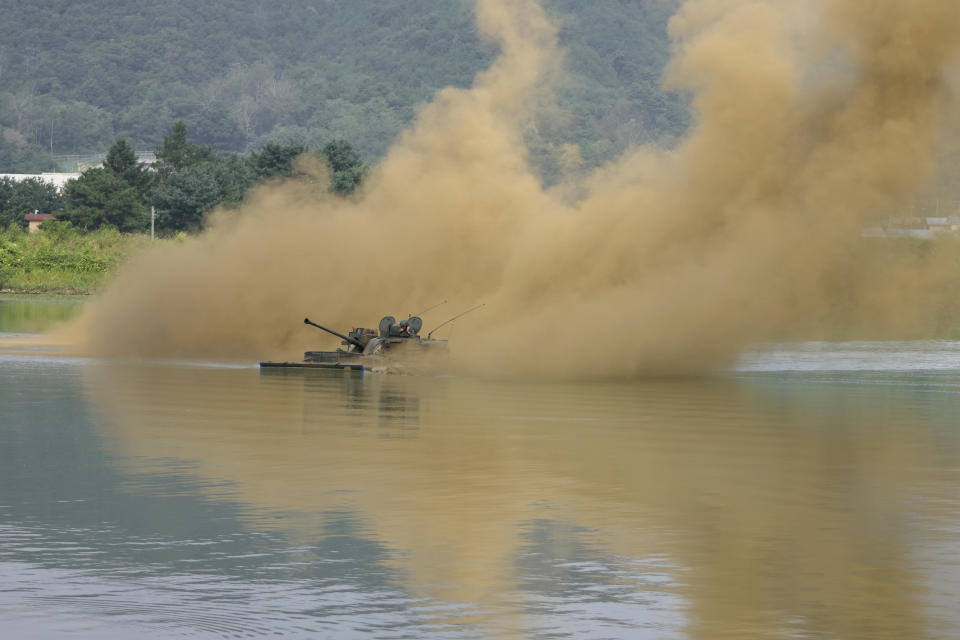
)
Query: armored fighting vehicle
[{"x": 392, "y": 345}]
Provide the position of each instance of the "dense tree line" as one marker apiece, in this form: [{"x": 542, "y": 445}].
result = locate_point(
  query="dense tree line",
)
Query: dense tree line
[
  {"x": 185, "y": 183},
  {"x": 26, "y": 196},
  {"x": 18, "y": 156},
  {"x": 75, "y": 75}
]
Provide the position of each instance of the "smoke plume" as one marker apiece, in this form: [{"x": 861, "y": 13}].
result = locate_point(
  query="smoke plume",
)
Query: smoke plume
[{"x": 809, "y": 122}]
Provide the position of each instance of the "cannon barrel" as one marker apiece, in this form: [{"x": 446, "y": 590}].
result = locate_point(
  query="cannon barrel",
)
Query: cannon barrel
[{"x": 348, "y": 339}]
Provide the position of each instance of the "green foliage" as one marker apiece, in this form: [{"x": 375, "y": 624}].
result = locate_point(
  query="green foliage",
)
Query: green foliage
[
  {"x": 122, "y": 162},
  {"x": 184, "y": 196},
  {"x": 58, "y": 230},
  {"x": 112, "y": 195},
  {"x": 26, "y": 196},
  {"x": 75, "y": 75},
  {"x": 60, "y": 259},
  {"x": 178, "y": 153},
  {"x": 121, "y": 159},
  {"x": 11, "y": 253},
  {"x": 16, "y": 156},
  {"x": 99, "y": 197},
  {"x": 72, "y": 126},
  {"x": 191, "y": 180},
  {"x": 187, "y": 195},
  {"x": 346, "y": 168},
  {"x": 275, "y": 160}
]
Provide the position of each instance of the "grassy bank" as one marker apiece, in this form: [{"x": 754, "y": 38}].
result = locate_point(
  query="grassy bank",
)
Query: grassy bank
[{"x": 61, "y": 260}]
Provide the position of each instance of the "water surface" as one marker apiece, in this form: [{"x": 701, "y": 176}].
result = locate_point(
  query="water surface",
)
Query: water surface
[
  {"x": 771, "y": 501},
  {"x": 36, "y": 312}
]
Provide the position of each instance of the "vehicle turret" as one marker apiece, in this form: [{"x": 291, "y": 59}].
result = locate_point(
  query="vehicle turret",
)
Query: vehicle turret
[
  {"x": 409, "y": 328},
  {"x": 358, "y": 338}
]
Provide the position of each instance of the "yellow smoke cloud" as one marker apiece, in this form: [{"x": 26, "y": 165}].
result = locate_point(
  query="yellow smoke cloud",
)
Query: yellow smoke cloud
[{"x": 809, "y": 120}]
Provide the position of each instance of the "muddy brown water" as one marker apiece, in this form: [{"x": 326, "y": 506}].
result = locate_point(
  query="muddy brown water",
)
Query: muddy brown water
[{"x": 811, "y": 492}]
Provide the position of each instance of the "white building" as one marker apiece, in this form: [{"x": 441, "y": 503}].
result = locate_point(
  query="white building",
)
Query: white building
[{"x": 59, "y": 180}]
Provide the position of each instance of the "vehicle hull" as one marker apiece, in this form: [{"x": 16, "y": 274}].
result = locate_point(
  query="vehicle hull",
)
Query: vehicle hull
[{"x": 353, "y": 366}]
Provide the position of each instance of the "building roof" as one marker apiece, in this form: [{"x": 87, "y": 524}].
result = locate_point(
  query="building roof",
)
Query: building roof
[{"x": 31, "y": 217}]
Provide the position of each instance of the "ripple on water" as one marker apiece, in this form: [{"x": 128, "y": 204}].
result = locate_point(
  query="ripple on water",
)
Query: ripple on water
[
  {"x": 914, "y": 355},
  {"x": 42, "y": 599}
]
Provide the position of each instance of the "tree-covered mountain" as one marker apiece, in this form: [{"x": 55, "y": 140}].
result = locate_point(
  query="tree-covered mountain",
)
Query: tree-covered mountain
[{"x": 77, "y": 74}]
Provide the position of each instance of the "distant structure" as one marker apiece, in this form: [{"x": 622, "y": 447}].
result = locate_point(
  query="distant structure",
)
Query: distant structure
[
  {"x": 86, "y": 161},
  {"x": 34, "y": 220},
  {"x": 937, "y": 225},
  {"x": 59, "y": 180},
  {"x": 925, "y": 228}
]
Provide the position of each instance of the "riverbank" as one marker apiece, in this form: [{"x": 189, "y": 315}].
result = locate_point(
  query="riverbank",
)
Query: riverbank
[{"x": 59, "y": 260}]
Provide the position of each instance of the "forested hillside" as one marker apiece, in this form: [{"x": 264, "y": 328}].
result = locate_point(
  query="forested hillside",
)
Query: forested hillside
[{"x": 77, "y": 74}]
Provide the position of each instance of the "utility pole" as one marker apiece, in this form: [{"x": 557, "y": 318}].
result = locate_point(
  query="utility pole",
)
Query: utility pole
[{"x": 153, "y": 216}]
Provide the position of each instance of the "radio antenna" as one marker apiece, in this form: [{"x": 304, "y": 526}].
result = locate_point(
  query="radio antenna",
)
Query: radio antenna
[
  {"x": 459, "y": 315},
  {"x": 439, "y": 304}
]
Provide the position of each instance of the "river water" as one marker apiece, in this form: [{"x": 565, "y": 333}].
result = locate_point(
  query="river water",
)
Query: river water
[{"x": 811, "y": 492}]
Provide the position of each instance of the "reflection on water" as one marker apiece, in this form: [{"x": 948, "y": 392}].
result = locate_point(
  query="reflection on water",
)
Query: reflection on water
[
  {"x": 31, "y": 314},
  {"x": 225, "y": 501}
]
